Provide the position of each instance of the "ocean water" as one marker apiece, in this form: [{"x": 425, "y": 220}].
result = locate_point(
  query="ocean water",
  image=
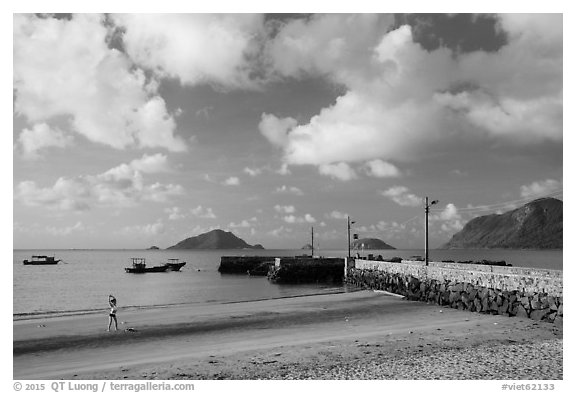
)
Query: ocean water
[{"x": 85, "y": 278}]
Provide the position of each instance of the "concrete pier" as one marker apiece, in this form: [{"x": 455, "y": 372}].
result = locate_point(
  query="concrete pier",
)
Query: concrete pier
[{"x": 297, "y": 270}]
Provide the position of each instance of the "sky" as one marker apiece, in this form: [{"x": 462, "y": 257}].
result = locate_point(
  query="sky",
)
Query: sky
[{"x": 133, "y": 130}]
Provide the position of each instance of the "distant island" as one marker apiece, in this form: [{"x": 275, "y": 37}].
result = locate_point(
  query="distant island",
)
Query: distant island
[
  {"x": 370, "y": 244},
  {"x": 153, "y": 248},
  {"x": 536, "y": 225},
  {"x": 307, "y": 247},
  {"x": 214, "y": 240}
]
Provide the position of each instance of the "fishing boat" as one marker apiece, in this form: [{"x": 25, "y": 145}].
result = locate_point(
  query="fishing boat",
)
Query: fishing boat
[
  {"x": 41, "y": 260},
  {"x": 174, "y": 264},
  {"x": 139, "y": 266}
]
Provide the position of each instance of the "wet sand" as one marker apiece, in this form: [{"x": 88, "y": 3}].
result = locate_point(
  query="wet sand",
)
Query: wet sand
[{"x": 358, "y": 335}]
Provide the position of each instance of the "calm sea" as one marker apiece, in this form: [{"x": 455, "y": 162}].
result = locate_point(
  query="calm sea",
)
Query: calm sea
[{"x": 84, "y": 278}]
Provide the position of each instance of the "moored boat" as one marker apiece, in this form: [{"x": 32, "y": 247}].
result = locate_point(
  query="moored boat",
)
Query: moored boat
[
  {"x": 174, "y": 264},
  {"x": 41, "y": 260},
  {"x": 139, "y": 266}
]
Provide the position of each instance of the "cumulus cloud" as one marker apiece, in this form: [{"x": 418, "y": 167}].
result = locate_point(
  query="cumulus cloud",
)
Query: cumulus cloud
[
  {"x": 337, "y": 215},
  {"x": 253, "y": 171},
  {"x": 450, "y": 219},
  {"x": 284, "y": 171},
  {"x": 288, "y": 190},
  {"x": 203, "y": 212},
  {"x": 174, "y": 213},
  {"x": 540, "y": 188},
  {"x": 218, "y": 49},
  {"x": 231, "y": 181},
  {"x": 285, "y": 209},
  {"x": 390, "y": 228},
  {"x": 379, "y": 168},
  {"x": 156, "y": 163},
  {"x": 41, "y": 136},
  {"x": 243, "y": 223},
  {"x": 341, "y": 171},
  {"x": 292, "y": 219},
  {"x": 144, "y": 230},
  {"x": 275, "y": 129},
  {"x": 280, "y": 232},
  {"x": 65, "y": 231},
  {"x": 65, "y": 194},
  {"x": 401, "y": 100},
  {"x": 65, "y": 68},
  {"x": 121, "y": 186},
  {"x": 402, "y": 196}
]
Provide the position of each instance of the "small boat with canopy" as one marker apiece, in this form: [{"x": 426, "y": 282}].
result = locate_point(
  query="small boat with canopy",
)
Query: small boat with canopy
[
  {"x": 174, "y": 264},
  {"x": 41, "y": 260},
  {"x": 139, "y": 266}
]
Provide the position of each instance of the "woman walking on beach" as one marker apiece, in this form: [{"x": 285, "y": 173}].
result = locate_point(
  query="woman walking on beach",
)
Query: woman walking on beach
[{"x": 112, "y": 315}]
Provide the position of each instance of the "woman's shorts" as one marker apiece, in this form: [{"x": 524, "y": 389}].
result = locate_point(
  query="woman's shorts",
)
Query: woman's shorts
[{"x": 113, "y": 315}]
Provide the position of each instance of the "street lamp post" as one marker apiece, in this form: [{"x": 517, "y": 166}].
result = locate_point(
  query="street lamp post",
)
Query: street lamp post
[
  {"x": 349, "y": 223},
  {"x": 312, "y": 232},
  {"x": 427, "y": 210}
]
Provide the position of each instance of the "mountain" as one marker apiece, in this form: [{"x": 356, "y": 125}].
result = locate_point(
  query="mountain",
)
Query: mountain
[
  {"x": 308, "y": 246},
  {"x": 370, "y": 244},
  {"x": 214, "y": 240},
  {"x": 536, "y": 225}
]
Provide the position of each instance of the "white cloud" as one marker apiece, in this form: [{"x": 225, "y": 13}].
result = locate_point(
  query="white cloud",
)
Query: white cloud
[
  {"x": 144, "y": 230},
  {"x": 40, "y": 137},
  {"x": 289, "y": 190},
  {"x": 65, "y": 194},
  {"x": 275, "y": 129},
  {"x": 161, "y": 193},
  {"x": 156, "y": 163},
  {"x": 285, "y": 209},
  {"x": 401, "y": 100},
  {"x": 174, "y": 213},
  {"x": 337, "y": 215},
  {"x": 65, "y": 68},
  {"x": 121, "y": 186},
  {"x": 450, "y": 219},
  {"x": 231, "y": 181},
  {"x": 242, "y": 224},
  {"x": 309, "y": 218},
  {"x": 292, "y": 219},
  {"x": 450, "y": 212},
  {"x": 379, "y": 168},
  {"x": 195, "y": 48},
  {"x": 280, "y": 232},
  {"x": 66, "y": 231},
  {"x": 389, "y": 228},
  {"x": 341, "y": 171},
  {"x": 402, "y": 196},
  {"x": 284, "y": 171},
  {"x": 539, "y": 189},
  {"x": 330, "y": 44},
  {"x": 253, "y": 171},
  {"x": 203, "y": 212}
]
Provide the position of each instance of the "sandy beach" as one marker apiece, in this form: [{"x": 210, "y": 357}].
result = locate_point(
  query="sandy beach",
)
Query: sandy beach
[{"x": 355, "y": 335}]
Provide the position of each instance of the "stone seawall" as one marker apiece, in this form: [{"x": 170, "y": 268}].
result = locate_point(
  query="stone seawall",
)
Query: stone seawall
[
  {"x": 307, "y": 270},
  {"x": 523, "y": 292}
]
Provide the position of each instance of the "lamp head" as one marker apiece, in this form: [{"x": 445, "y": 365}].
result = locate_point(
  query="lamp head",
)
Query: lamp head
[{"x": 434, "y": 202}]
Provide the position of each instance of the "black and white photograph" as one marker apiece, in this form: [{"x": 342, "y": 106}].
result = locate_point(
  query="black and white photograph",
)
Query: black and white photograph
[{"x": 287, "y": 197}]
